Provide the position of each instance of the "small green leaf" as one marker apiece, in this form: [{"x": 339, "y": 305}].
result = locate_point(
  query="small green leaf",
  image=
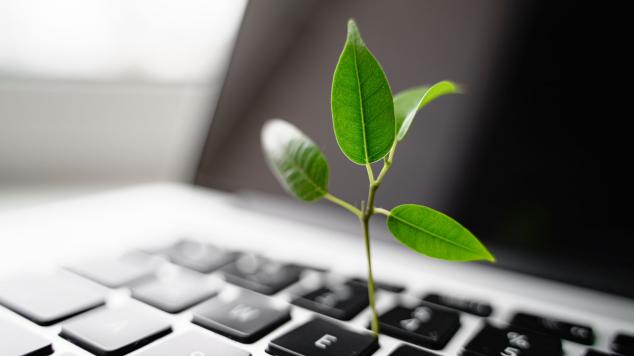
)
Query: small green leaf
[
  {"x": 362, "y": 106},
  {"x": 408, "y": 102},
  {"x": 296, "y": 161},
  {"x": 435, "y": 234}
]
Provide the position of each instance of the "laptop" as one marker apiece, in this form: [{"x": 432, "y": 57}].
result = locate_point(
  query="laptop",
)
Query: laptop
[{"x": 229, "y": 265}]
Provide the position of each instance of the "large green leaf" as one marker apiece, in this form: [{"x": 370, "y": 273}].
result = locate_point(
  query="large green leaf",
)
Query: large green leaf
[
  {"x": 362, "y": 107},
  {"x": 408, "y": 102},
  {"x": 295, "y": 160},
  {"x": 435, "y": 234}
]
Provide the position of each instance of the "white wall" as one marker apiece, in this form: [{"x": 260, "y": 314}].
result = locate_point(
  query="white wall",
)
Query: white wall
[
  {"x": 102, "y": 93},
  {"x": 54, "y": 133}
]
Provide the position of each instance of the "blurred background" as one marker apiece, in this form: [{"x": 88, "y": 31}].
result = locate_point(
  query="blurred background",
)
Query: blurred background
[{"x": 96, "y": 94}]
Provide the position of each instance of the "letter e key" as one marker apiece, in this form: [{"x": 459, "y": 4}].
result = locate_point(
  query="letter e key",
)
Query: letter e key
[{"x": 325, "y": 341}]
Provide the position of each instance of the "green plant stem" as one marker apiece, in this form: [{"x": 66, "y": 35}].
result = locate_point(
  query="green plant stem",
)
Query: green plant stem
[
  {"x": 344, "y": 204},
  {"x": 381, "y": 211},
  {"x": 387, "y": 164},
  {"x": 371, "y": 287},
  {"x": 366, "y": 214},
  {"x": 368, "y": 167}
]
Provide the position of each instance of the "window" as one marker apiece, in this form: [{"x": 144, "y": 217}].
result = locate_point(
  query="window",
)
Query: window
[{"x": 117, "y": 40}]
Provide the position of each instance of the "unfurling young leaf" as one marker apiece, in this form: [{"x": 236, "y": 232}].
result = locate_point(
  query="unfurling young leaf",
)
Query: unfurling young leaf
[
  {"x": 435, "y": 234},
  {"x": 297, "y": 162},
  {"x": 408, "y": 102},
  {"x": 362, "y": 106}
]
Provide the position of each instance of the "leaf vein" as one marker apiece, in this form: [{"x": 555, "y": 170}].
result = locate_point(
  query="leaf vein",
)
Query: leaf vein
[
  {"x": 361, "y": 108},
  {"x": 433, "y": 234}
]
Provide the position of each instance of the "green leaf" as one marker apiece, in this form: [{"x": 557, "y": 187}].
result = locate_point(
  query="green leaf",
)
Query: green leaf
[
  {"x": 296, "y": 161},
  {"x": 435, "y": 234},
  {"x": 362, "y": 106},
  {"x": 408, "y": 102}
]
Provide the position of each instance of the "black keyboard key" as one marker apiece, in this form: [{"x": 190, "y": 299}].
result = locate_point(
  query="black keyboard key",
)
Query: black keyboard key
[
  {"x": 48, "y": 299},
  {"x": 241, "y": 315},
  {"x": 596, "y": 353},
  {"x": 176, "y": 289},
  {"x": 192, "y": 343},
  {"x": 118, "y": 272},
  {"x": 18, "y": 341},
  {"x": 201, "y": 257},
  {"x": 116, "y": 331},
  {"x": 582, "y": 334},
  {"x": 319, "y": 337},
  {"x": 425, "y": 325},
  {"x": 493, "y": 341},
  {"x": 466, "y": 305},
  {"x": 338, "y": 300},
  {"x": 623, "y": 344},
  {"x": 390, "y": 287},
  {"x": 260, "y": 274},
  {"x": 308, "y": 267},
  {"x": 405, "y": 350}
]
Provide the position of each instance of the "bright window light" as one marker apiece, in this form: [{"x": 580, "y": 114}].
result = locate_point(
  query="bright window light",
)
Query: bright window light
[{"x": 117, "y": 40}]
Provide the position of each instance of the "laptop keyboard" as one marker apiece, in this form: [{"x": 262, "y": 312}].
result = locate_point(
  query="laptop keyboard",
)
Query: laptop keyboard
[
  {"x": 245, "y": 297},
  {"x": 424, "y": 325},
  {"x": 244, "y": 316},
  {"x": 341, "y": 301},
  {"x": 116, "y": 331}
]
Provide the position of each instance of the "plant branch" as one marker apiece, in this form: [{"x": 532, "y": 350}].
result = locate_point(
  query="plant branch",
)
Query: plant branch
[
  {"x": 386, "y": 168},
  {"x": 371, "y": 287},
  {"x": 344, "y": 204},
  {"x": 368, "y": 167},
  {"x": 387, "y": 164},
  {"x": 367, "y": 211},
  {"x": 390, "y": 156},
  {"x": 381, "y": 211}
]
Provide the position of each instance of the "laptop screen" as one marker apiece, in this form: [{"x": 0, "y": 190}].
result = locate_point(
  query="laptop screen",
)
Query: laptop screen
[{"x": 525, "y": 159}]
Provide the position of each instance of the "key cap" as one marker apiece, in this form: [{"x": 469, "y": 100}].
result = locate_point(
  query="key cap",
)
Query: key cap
[
  {"x": 260, "y": 274},
  {"x": 48, "y": 299},
  {"x": 390, "y": 287},
  {"x": 623, "y": 344},
  {"x": 596, "y": 353},
  {"x": 405, "y": 350},
  {"x": 462, "y": 304},
  {"x": 307, "y": 267},
  {"x": 341, "y": 301},
  {"x": 241, "y": 315},
  {"x": 176, "y": 289},
  {"x": 192, "y": 343},
  {"x": 424, "y": 325},
  {"x": 116, "y": 331},
  {"x": 201, "y": 257},
  {"x": 561, "y": 329},
  {"x": 319, "y": 337},
  {"x": 18, "y": 341},
  {"x": 118, "y": 272},
  {"x": 493, "y": 341}
]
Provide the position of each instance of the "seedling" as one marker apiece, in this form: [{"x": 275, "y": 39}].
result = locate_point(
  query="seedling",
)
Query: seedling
[{"x": 369, "y": 123}]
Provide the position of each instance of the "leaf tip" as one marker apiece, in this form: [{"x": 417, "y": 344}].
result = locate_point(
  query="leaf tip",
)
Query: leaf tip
[
  {"x": 451, "y": 87},
  {"x": 458, "y": 88},
  {"x": 353, "y": 31},
  {"x": 352, "y": 25}
]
